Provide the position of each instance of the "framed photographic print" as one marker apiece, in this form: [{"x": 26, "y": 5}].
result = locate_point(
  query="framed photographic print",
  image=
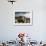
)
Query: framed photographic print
[{"x": 23, "y": 18}]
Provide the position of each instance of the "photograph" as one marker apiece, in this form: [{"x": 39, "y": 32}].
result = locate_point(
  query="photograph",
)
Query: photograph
[{"x": 23, "y": 18}]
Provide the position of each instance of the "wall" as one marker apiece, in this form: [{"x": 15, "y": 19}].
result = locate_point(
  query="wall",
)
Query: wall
[{"x": 9, "y": 31}]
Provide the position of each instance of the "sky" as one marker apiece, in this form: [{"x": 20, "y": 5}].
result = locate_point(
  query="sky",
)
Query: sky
[
  {"x": 28, "y": 14},
  {"x": 9, "y": 31}
]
